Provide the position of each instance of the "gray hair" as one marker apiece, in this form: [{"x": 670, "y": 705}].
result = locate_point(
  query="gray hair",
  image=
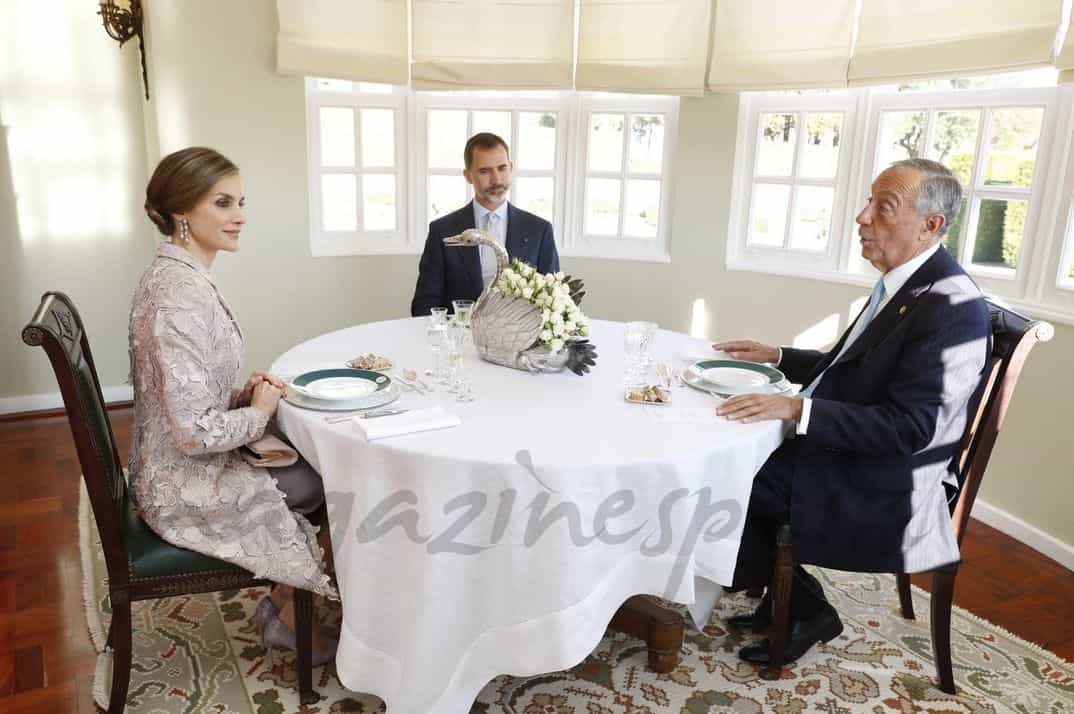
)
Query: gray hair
[{"x": 939, "y": 191}]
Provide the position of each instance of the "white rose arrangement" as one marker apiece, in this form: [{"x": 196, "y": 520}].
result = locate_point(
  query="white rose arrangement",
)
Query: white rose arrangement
[{"x": 557, "y": 296}]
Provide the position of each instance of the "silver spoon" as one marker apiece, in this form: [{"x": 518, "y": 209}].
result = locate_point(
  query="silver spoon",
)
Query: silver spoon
[{"x": 412, "y": 376}]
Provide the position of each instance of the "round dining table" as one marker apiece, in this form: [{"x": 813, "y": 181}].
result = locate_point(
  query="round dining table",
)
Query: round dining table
[{"x": 506, "y": 543}]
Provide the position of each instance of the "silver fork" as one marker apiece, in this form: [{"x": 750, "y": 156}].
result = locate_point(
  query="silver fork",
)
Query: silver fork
[{"x": 409, "y": 385}]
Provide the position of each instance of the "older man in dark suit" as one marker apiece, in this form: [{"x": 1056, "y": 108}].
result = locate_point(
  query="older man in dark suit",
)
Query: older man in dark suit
[
  {"x": 863, "y": 482},
  {"x": 447, "y": 274}
]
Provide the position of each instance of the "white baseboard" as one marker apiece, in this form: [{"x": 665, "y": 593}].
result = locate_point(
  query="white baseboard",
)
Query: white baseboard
[
  {"x": 36, "y": 402},
  {"x": 1035, "y": 538}
]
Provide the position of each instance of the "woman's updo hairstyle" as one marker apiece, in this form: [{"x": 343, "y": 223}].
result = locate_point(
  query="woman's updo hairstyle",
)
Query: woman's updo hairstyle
[{"x": 181, "y": 180}]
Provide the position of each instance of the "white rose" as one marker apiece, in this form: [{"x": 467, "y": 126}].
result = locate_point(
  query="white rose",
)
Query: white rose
[
  {"x": 556, "y": 345},
  {"x": 527, "y": 293},
  {"x": 570, "y": 326},
  {"x": 560, "y": 275},
  {"x": 557, "y": 318},
  {"x": 538, "y": 281},
  {"x": 546, "y": 335},
  {"x": 557, "y": 329},
  {"x": 546, "y": 315},
  {"x": 583, "y": 330}
]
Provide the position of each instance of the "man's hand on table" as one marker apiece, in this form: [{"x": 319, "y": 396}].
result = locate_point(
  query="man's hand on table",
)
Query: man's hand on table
[
  {"x": 749, "y": 350},
  {"x": 748, "y": 408}
]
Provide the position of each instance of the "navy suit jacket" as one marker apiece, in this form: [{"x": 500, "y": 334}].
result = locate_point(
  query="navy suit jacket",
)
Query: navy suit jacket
[
  {"x": 868, "y": 486},
  {"x": 453, "y": 273}
]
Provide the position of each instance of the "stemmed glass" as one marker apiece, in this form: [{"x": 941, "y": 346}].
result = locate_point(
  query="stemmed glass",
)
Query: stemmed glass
[
  {"x": 464, "y": 310},
  {"x": 435, "y": 331},
  {"x": 455, "y": 342}
]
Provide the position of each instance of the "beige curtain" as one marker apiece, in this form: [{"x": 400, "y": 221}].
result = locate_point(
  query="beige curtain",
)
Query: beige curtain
[
  {"x": 652, "y": 46},
  {"x": 343, "y": 39},
  {"x": 492, "y": 44},
  {"x": 779, "y": 44},
  {"x": 911, "y": 39},
  {"x": 1064, "y": 61}
]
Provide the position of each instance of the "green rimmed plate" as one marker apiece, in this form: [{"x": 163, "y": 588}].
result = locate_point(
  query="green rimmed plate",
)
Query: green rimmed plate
[
  {"x": 727, "y": 376},
  {"x": 341, "y": 389}
]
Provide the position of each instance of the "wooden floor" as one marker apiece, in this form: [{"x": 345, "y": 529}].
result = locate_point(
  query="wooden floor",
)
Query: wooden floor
[{"x": 46, "y": 659}]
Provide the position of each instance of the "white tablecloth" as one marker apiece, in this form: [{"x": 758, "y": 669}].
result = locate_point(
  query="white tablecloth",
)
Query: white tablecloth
[{"x": 506, "y": 544}]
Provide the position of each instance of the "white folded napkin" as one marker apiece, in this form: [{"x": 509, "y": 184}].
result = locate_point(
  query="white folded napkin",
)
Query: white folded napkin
[
  {"x": 700, "y": 349},
  {"x": 409, "y": 422}
]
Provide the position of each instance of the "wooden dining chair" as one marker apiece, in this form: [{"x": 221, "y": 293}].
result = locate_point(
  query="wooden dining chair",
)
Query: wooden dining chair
[
  {"x": 140, "y": 565},
  {"x": 1013, "y": 336}
]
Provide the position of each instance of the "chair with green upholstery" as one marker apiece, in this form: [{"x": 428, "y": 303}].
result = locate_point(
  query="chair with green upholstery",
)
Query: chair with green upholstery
[{"x": 140, "y": 565}]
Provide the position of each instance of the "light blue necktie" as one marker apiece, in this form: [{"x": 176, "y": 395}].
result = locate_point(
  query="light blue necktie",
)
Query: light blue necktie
[
  {"x": 487, "y": 254},
  {"x": 871, "y": 309},
  {"x": 874, "y": 302}
]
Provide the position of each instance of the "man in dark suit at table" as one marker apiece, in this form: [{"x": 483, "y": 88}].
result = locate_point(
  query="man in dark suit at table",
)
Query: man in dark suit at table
[
  {"x": 446, "y": 274},
  {"x": 863, "y": 483}
]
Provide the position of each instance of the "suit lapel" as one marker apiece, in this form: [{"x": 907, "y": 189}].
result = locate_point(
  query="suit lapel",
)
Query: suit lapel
[
  {"x": 514, "y": 239},
  {"x": 900, "y": 305},
  {"x": 471, "y": 258}
]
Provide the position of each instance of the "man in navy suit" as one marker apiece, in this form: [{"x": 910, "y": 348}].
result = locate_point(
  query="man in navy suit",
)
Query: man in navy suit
[
  {"x": 446, "y": 274},
  {"x": 863, "y": 483}
]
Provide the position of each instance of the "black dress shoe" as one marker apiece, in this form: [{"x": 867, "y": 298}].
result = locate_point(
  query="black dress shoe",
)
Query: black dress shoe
[
  {"x": 757, "y": 620},
  {"x": 804, "y": 634}
]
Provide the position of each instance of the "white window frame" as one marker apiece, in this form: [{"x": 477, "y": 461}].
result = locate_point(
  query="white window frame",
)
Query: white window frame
[
  {"x": 741, "y": 254},
  {"x": 1010, "y": 283},
  {"x": 515, "y": 102},
  {"x": 620, "y": 246},
  {"x": 1036, "y": 286},
  {"x": 359, "y": 241},
  {"x": 412, "y": 165}
]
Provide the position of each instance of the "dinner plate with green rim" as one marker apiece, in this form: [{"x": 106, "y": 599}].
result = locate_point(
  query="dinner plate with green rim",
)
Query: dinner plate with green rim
[
  {"x": 341, "y": 388},
  {"x": 379, "y": 398},
  {"x": 724, "y": 376},
  {"x": 340, "y": 384}
]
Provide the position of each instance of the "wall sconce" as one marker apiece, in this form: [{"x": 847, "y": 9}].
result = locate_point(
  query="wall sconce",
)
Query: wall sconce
[{"x": 121, "y": 25}]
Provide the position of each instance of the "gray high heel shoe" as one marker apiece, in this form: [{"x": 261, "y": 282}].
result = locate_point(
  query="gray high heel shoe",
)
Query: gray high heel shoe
[
  {"x": 276, "y": 634},
  {"x": 266, "y": 610}
]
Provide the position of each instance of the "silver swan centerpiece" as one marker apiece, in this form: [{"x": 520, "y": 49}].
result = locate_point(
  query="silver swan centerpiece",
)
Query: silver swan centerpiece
[{"x": 507, "y": 329}]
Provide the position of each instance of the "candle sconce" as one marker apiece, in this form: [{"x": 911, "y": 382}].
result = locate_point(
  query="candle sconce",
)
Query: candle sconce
[{"x": 123, "y": 24}]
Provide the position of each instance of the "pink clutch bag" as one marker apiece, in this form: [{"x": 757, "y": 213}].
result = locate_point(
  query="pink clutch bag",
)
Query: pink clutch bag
[{"x": 269, "y": 451}]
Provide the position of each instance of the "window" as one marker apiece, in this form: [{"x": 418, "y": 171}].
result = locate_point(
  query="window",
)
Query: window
[
  {"x": 791, "y": 192},
  {"x": 799, "y": 152},
  {"x": 356, "y": 141},
  {"x": 532, "y": 124},
  {"x": 597, "y": 166},
  {"x": 622, "y": 165}
]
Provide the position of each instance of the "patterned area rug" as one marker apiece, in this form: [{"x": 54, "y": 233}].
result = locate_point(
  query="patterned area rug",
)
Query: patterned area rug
[{"x": 201, "y": 654}]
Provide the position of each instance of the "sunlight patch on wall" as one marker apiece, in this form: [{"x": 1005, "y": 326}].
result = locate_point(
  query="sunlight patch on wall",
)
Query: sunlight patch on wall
[
  {"x": 699, "y": 319},
  {"x": 61, "y": 97},
  {"x": 819, "y": 335}
]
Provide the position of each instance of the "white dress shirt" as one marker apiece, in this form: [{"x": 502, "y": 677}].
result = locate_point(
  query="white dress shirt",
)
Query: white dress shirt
[
  {"x": 893, "y": 280},
  {"x": 495, "y": 222}
]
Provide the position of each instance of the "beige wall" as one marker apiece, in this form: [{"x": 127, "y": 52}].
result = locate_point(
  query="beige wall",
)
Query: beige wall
[
  {"x": 213, "y": 83},
  {"x": 72, "y": 166}
]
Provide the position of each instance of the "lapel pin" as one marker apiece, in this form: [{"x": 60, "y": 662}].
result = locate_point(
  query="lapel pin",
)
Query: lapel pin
[{"x": 902, "y": 310}]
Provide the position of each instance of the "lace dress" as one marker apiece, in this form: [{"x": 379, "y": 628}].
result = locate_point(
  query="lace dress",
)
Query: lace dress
[{"x": 190, "y": 485}]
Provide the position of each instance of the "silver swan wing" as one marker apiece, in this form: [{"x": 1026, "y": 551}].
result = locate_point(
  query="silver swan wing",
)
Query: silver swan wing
[{"x": 505, "y": 327}]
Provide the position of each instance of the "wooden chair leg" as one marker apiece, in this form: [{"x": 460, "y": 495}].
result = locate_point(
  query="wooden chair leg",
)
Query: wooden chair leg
[
  {"x": 780, "y": 587},
  {"x": 943, "y": 593},
  {"x": 660, "y": 627},
  {"x": 906, "y": 603},
  {"x": 304, "y": 646},
  {"x": 120, "y": 638}
]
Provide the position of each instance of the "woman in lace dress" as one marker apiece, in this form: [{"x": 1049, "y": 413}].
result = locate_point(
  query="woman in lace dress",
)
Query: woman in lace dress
[{"x": 191, "y": 485}]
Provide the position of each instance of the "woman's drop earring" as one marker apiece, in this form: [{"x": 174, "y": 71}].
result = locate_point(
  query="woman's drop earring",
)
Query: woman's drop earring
[{"x": 184, "y": 230}]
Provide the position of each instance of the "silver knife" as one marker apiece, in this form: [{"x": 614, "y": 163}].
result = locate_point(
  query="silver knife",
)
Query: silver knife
[
  {"x": 384, "y": 412},
  {"x": 336, "y": 419}
]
